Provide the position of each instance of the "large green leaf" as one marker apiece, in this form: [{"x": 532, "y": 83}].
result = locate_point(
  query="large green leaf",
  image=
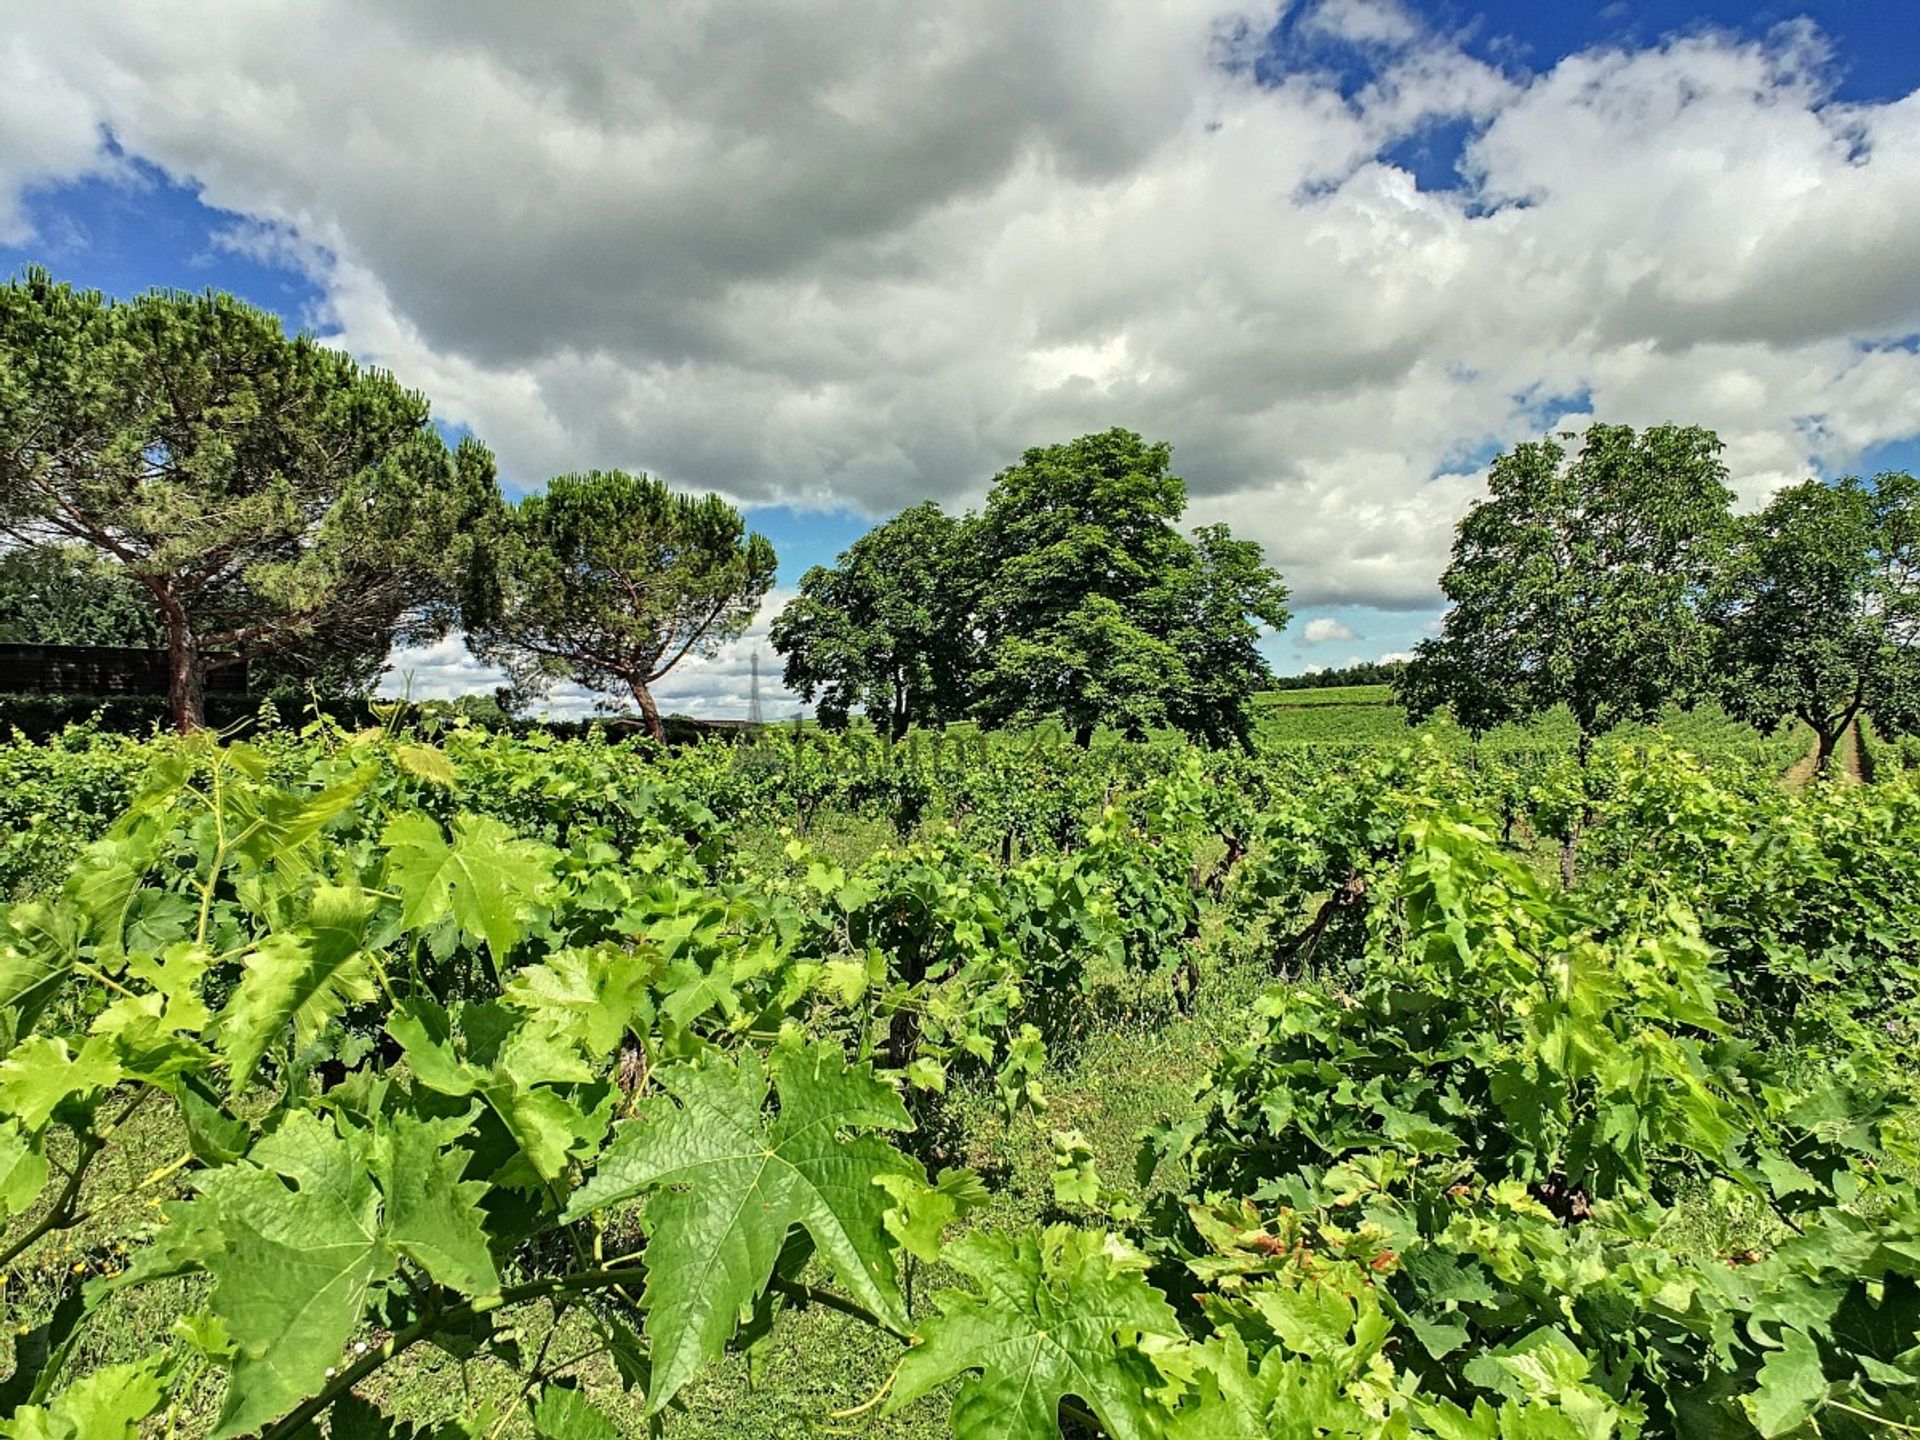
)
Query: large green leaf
[
  {"x": 725, "y": 1187},
  {"x": 1793, "y": 1383},
  {"x": 565, "y": 1414},
  {"x": 107, "y": 877},
  {"x": 1281, "y": 1399},
  {"x": 484, "y": 878},
  {"x": 432, "y": 1215},
  {"x": 109, "y": 1404},
  {"x": 1059, "y": 1314},
  {"x": 600, "y": 992},
  {"x": 23, "y": 1170},
  {"x": 291, "y": 1267},
  {"x": 37, "y": 946},
  {"x": 43, "y": 1075},
  {"x": 276, "y": 828},
  {"x": 514, "y": 1070},
  {"x": 305, "y": 977}
]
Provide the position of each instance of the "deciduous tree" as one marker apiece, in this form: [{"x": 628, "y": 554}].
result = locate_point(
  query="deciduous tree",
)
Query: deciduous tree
[
  {"x": 71, "y": 595},
  {"x": 610, "y": 580},
  {"x": 888, "y": 627},
  {"x": 1819, "y": 610},
  {"x": 1225, "y": 593},
  {"x": 268, "y": 495},
  {"x": 1579, "y": 581},
  {"x": 1096, "y": 610}
]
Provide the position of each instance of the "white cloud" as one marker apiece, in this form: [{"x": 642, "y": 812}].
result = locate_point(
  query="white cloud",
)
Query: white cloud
[
  {"x": 866, "y": 253},
  {"x": 1326, "y": 630},
  {"x": 1364, "y": 22},
  {"x": 719, "y": 687}
]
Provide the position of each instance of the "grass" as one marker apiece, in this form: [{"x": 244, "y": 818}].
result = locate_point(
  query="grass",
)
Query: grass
[{"x": 1325, "y": 695}]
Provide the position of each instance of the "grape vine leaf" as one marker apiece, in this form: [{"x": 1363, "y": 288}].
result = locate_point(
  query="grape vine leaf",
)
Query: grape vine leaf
[
  {"x": 293, "y": 1264},
  {"x": 599, "y": 991},
  {"x": 37, "y": 943},
  {"x": 1231, "y": 1398},
  {"x": 278, "y": 827},
  {"x": 306, "y": 976},
  {"x": 1059, "y": 1313},
  {"x": 565, "y": 1414},
  {"x": 432, "y": 1215},
  {"x": 425, "y": 762},
  {"x": 109, "y": 1404},
  {"x": 1793, "y": 1382},
  {"x": 291, "y": 1267},
  {"x": 107, "y": 876},
  {"x": 518, "y": 1057},
  {"x": 484, "y": 878},
  {"x": 42, "y": 1075},
  {"x": 725, "y": 1187},
  {"x": 23, "y": 1170}
]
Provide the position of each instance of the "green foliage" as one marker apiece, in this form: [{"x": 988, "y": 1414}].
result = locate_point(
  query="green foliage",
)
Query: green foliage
[
  {"x": 727, "y": 1188},
  {"x": 1819, "y": 611},
  {"x": 1058, "y": 1314},
  {"x": 888, "y": 627},
  {"x": 1096, "y": 611},
  {"x": 1577, "y": 581},
  {"x": 267, "y": 495},
  {"x": 70, "y": 595},
  {"x": 610, "y": 580},
  {"x": 508, "y": 1047}
]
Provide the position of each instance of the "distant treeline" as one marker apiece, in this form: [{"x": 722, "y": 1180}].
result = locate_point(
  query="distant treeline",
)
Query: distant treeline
[{"x": 1367, "y": 672}]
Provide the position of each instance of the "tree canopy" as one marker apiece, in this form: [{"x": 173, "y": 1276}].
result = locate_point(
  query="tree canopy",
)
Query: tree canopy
[
  {"x": 889, "y": 627},
  {"x": 1095, "y": 609},
  {"x": 1070, "y": 597},
  {"x": 1224, "y": 593},
  {"x": 609, "y": 580},
  {"x": 1579, "y": 581},
  {"x": 268, "y": 495},
  {"x": 71, "y": 595},
  {"x": 1819, "y": 609}
]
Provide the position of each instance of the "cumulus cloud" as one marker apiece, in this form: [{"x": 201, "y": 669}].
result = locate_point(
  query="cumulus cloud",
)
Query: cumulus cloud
[
  {"x": 1326, "y": 630},
  {"x": 865, "y": 253}
]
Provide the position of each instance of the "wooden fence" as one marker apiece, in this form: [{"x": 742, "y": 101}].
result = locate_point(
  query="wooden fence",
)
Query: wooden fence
[{"x": 98, "y": 670}]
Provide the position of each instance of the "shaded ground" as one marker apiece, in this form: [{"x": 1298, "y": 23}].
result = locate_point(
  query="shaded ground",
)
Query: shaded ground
[{"x": 1846, "y": 761}]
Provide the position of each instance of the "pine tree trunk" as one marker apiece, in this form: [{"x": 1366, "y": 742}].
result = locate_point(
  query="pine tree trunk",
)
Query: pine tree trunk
[
  {"x": 649, "y": 711},
  {"x": 186, "y": 671}
]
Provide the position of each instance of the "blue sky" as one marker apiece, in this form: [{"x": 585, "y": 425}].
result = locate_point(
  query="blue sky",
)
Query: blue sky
[{"x": 1381, "y": 224}]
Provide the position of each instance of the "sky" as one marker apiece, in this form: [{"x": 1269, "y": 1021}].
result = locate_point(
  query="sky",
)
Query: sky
[{"x": 835, "y": 259}]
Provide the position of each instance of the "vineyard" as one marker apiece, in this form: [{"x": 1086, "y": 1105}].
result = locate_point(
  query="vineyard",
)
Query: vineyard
[{"x": 437, "y": 1086}]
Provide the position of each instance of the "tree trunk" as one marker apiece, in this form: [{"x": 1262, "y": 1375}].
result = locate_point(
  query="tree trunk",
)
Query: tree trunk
[
  {"x": 1569, "y": 846},
  {"x": 1083, "y": 736},
  {"x": 1570, "y": 842},
  {"x": 897, "y": 727},
  {"x": 649, "y": 711},
  {"x": 1828, "y": 741},
  {"x": 186, "y": 671},
  {"x": 1830, "y": 735}
]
